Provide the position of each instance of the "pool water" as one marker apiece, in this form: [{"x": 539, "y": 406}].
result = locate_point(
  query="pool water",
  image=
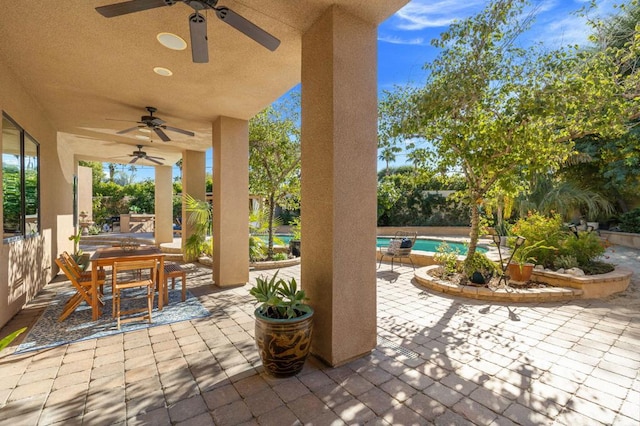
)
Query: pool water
[{"x": 421, "y": 244}]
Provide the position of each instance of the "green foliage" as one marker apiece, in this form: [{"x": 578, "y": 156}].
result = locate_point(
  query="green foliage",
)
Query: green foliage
[
  {"x": 296, "y": 228},
  {"x": 280, "y": 256},
  {"x": 502, "y": 113},
  {"x": 6, "y": 341},
  {"x": 596, "y": 268},
  {"x": 533, "y": 253},
  {"x": 201, "y": 220},
  {"x": 545, "y": 233},
  {"x": 586, "y": 248},
  {"x": 274, "y": 160},
  {"x": 278, "y": 298},
  {"x": 565, "y": 261},
  {"x": 630, "y": 221},
  {"x": 77, "y": 252},
  {"x": 410, "y": 199},
  {"x": 447, "y": 257},
  {"x": 479, "y": 262}
]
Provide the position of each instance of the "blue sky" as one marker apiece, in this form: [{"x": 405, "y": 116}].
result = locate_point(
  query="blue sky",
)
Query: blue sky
[{"x": 404, "y": 39}]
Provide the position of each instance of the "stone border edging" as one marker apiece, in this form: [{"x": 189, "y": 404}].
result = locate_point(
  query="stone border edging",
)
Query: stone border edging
[
  {"x": 581, "y": 287},
  {"x": 274, "y": 264}
]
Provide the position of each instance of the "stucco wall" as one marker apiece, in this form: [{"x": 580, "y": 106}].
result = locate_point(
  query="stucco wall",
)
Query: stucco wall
[{"x": 26, "y": 265}]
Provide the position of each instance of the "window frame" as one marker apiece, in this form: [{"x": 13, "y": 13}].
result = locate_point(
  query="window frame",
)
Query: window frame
[{"x": 23, "y": 139}]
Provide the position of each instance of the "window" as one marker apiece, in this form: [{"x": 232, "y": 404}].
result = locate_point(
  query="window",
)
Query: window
[{"x": 20, "y": 181}]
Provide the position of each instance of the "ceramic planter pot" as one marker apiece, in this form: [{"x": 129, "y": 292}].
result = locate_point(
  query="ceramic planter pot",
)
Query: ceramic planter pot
[
  {"x": 294, "y": 247},
  {"x": 520, "y": 273},
  {"x": 284, "y": 344}
]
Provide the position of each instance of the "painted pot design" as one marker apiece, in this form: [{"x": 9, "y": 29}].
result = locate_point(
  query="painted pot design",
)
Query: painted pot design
[{"x": 284, "y": 344}]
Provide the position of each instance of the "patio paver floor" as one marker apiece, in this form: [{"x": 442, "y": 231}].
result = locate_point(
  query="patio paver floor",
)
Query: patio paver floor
[{"x": 441, "y": 360}]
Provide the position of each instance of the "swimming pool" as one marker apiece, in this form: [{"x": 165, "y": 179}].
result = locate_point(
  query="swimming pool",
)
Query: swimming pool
[{"x": 421, "y": 244}]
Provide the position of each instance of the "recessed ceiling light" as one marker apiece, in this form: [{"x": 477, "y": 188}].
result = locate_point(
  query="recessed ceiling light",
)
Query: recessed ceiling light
[
  {"x": 144, "y": 130},
  {"x": 172, "y": 41},
  {"x": 165, "y": 72},
  {"x": 142, "y": 137}
]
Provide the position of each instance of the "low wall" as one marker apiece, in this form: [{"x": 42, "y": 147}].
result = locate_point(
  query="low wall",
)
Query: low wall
[
  {"x": 592, "y": 286},
  {"x": 624, "y": 239},
  {"x": 444, "y": 231}
]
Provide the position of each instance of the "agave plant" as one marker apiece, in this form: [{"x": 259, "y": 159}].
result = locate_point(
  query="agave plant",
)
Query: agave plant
[{"x": 278, "y": 298}]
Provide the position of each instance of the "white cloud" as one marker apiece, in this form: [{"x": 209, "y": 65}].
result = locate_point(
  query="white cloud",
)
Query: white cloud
[
  {"x": 421, "y": 14},
  {"x": 419, "y": 41}
]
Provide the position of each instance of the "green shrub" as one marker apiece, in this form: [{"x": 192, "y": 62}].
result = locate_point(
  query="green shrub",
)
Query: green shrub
[
  {"x": 481, "y": 263},
  {"x": 586, "y": 248},
  {"x": 446, "y": 257},
  {"x": 280, "y": 256},
  {"x": 630, "y": 221},
  {"x": 565, "y": 261},
  {"x": 547, "y": 231},
  {"x": 595, "y": 268}
]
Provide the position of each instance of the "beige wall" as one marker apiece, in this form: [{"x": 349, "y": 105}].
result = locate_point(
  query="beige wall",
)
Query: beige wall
[{"x": 26, "y": 265}]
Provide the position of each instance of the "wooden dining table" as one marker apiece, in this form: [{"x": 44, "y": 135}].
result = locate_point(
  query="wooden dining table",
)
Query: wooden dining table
[{"x": 106, "y": 257}]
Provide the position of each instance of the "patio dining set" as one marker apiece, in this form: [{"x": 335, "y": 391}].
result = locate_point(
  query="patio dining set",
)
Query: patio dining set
[{"x": 132, "y": 267}]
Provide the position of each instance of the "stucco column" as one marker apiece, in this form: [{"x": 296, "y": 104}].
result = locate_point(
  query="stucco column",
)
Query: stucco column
[
  {"x": 163, "y": 231},
  {"x": 193, "y": 183},
  {"x": 230, "y": 201},
  {"x": 339, "y": 150}
]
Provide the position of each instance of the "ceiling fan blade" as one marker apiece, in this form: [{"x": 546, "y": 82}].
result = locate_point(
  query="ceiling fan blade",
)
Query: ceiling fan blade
[
  {"x": 175, "y": 129},
  {"x": 248, "y": 28},
  {"x": 199, "y": 44},
  {"x": 153, "y": 160},
  {"x": 131, "y": 129},
  {"x": 132, "y": 6},
  {"x": 133, "y": 160},
  {"x": 162, "y": 134},
  {"x": 154, "y": 157}
]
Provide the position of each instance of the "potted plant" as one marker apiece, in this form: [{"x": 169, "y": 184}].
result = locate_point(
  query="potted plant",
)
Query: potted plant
[
  {"x": 294, "y": 243},
  {"x": 523, "y": 261},
  {"x": 81, "y": 258},
  {"x": 283, "y": 327}
]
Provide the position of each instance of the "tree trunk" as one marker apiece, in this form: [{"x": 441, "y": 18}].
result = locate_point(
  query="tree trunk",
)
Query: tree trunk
[
  {"x": 475, "y": 229},
  {"x": 272, "y": 209}
]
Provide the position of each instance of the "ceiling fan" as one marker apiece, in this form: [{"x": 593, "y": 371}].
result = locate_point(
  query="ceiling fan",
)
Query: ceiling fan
[
  {"x": 197, "y": 22},
  {"x": 140, "y": 154},
  {"x": 157, "y": 125}
]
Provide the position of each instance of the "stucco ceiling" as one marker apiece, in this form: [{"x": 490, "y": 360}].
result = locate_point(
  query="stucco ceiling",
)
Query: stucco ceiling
[{"x": 87, "y": 72}]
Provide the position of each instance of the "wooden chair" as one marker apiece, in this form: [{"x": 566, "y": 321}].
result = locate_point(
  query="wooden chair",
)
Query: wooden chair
[
  {"x": 82, "y": 285},
  {"x": 399, "y": 247},
  {"x": 173, "y": 271},
  {"x": 81, "y": 273},
  {"x": 130, "y": 274}
]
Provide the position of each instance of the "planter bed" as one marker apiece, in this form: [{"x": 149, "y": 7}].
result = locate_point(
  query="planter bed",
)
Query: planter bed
[{"x": 560, "y": 286}]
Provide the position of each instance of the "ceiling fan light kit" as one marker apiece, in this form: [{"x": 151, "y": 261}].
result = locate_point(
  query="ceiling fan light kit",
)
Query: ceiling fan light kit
[
  {"x": 157, "y": 125},
  {"x": 197, "y": 22},
  {"x": 140, "y": 154}
]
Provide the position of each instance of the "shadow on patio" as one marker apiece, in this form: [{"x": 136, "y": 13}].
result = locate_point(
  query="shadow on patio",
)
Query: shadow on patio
[{"x": 439, "y": 360}]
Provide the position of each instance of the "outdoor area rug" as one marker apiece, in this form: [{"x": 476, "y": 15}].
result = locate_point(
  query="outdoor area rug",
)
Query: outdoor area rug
[{"x": 48, "y": 332}]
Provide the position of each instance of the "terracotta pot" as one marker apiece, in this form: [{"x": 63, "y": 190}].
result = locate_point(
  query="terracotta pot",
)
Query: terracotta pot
[
  {"x": 520, "y": 273},
  {"x": 284, "y": 343}
]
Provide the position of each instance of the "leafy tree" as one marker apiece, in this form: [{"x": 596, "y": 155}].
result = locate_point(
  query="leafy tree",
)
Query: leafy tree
[
  {"x": 497, "y": 112},
  {"x": 274, "y": 161},
  {"x": 389, "y": 108}
]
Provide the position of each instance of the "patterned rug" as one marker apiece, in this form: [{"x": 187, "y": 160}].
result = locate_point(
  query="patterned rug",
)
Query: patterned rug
[{"x": 48, "y": 332}]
